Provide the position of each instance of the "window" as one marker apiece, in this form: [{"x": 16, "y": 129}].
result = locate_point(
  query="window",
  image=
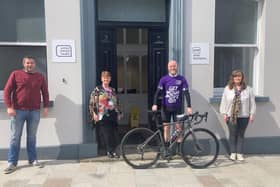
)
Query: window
[
  {"x": 131, "y": 11},
  {"x": 236, "y": 40},
  {"x": 22, "y": 33},
  {"x": 132, "y": 60}
]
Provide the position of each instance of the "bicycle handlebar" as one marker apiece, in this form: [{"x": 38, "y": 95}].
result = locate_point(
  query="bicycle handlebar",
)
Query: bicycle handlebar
[
  {"x": 199, "y": 117},
  {"x": 196, "y": 117}
]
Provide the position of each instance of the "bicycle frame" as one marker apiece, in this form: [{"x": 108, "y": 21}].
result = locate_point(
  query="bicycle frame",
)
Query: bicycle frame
[
  {"x": 158, "y": 132},
  {"x": 193, "y": 149},
  {"x": 186, "y": 127}
]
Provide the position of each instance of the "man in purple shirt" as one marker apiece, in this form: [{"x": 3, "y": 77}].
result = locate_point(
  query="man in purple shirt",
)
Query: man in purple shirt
[
  {"x": 22, "y": 97},
  {"x": 172, "y": 87}
]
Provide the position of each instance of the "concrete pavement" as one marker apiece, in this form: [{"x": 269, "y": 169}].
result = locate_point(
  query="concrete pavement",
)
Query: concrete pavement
[{"x": 256, "y": 171}]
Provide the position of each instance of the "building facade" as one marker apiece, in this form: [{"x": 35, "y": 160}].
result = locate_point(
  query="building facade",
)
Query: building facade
[{"x": 74, "y": 40}]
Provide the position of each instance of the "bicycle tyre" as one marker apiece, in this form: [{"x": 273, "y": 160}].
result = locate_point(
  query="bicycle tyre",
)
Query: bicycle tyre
[
  {"x": 137, "y": 156},
  {"x": 202, "y": 153}
]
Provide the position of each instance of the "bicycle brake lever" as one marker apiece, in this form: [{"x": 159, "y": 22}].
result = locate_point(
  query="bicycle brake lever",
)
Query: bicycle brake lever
[
  {"x": 206, "y": 116},
  {"x": 195, "y": 115}
]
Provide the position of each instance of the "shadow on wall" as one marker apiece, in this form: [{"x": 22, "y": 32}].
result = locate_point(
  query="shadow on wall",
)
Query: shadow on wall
[
  {"x": 262, "y": 136},
  {"x": 214, "y": 122},
  {"x": 68, "y": 127},
  {"x": 68, "y": 122},
  {"x": 61, "y": 132},
  {"x": 3, "y": 113}
]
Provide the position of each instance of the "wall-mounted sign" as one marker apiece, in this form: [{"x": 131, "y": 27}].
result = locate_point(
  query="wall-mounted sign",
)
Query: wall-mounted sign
[
  {"x": 63, "y": 51},
  {"x": 199, "y": 53},
  {"x": 1, "y": 96}
]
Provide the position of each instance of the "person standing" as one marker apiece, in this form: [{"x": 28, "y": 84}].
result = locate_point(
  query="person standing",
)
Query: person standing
[
  {"x": 22, "y": 97},
  {"x": 105, "y": 112},
  {"x": 172, "y": 87},
  {"x": 238, "y": 108}
]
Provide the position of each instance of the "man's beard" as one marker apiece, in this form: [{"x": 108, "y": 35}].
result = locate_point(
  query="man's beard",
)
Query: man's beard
[{"x": 29, "y": 70}]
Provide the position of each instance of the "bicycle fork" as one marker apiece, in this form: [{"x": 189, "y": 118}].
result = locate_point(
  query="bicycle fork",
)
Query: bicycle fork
[{"x": 197, "y": 145}]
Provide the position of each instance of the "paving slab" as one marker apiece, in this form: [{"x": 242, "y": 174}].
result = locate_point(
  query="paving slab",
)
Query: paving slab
[{"x": 256, "y": 171}]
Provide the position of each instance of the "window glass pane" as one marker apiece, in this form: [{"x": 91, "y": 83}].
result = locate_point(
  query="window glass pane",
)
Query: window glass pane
[
  {"x": 144, "y": 36},
  {"x": 144, "y": 74},
  {"x": 120, "y": 36},
  {"x": 133, "y": 74},
  {"x": 22, "y": 21},
  {"x": 132, "y": 36},
  {"x": 132, "y": 10},
  {"x": 230, "y": 58},
  {"x": 121, "y": 73},
  {"x": 11, "y": 59},
  {"x": 236, "y": 21}
]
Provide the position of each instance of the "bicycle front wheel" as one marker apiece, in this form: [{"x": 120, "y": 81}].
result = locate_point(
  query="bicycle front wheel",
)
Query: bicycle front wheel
[
  {"x": 140, "y": 148},
  {"x": 200, "y": 148}
]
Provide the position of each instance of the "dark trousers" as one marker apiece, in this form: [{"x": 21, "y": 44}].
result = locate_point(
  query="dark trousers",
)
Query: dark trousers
[
  {"x": 108, "y": 131},
  {"x": 236, "y": 134}
]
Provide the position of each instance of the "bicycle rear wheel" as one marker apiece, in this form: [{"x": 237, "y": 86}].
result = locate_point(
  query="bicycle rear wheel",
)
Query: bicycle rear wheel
[
  {"x": 200, "y": 148},
  {"x": 140, "y": 148}
]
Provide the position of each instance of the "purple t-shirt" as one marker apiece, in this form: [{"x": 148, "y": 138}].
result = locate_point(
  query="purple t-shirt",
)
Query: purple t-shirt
[{"x": 172, "y": 89}]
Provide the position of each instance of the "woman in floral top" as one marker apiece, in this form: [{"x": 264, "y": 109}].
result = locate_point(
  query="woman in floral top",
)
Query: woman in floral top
[{"x": 105, "y": 112}]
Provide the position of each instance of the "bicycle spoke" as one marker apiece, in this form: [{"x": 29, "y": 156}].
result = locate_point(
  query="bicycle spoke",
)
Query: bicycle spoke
[
  {"x": 200, "y": 149},
  {"x": 140, "y": 148}
]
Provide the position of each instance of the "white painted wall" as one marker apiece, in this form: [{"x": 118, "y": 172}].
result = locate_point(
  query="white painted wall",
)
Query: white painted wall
[
  {"x": 200, "y": 27},
  {"x": 268, "y": 119},
  {"x": 64, "y": 123},
  {"x": 65, "y": 119}
]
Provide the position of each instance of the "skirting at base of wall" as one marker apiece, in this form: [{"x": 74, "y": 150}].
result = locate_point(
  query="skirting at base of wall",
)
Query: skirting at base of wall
[
  {"x": 258, "y": 145},
  {"x": 62, "y": 152}
]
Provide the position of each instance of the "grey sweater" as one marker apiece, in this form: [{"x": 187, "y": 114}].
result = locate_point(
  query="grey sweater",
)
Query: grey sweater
[{"x": 248, "y": 104}]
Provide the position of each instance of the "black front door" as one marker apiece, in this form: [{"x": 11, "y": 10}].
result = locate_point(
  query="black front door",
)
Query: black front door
[
  {"x": 106, "y": 54},
  {"x": 158, "y": 57}
]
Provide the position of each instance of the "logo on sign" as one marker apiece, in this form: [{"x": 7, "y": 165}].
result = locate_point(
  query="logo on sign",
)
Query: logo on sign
[
  {"x": 196, "y": 51},
  {"x": 64, "y": 51}
]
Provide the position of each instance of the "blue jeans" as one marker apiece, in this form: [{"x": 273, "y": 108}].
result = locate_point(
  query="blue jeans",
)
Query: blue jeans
[{"x": 32, "y": 118}]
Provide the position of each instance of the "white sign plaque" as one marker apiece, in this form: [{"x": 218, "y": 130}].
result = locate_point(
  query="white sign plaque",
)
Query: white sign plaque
[
  {"x": 199, "y": 53},
  {"x": 1, "y": 96},
  {"x": 63, "y": 51}
]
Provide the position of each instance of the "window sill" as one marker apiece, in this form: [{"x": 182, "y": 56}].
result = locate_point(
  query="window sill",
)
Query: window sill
[
  {"x": 217, "y": 99},
  {"x": 2, "y": 105}
]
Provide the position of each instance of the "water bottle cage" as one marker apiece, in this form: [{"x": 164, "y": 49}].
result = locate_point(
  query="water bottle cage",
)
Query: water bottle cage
[{"x": 174, "y": 135}]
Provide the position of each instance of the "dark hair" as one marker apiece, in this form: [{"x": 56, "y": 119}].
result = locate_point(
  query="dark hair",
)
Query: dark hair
[
  {"x": 236, "y": 73},
  {"x": 28, "y": 57}
]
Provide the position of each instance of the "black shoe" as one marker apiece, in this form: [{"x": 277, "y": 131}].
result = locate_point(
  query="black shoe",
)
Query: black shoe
[
  {"x": 166, "y": 144},
  {"x": 110, "y": 155}
]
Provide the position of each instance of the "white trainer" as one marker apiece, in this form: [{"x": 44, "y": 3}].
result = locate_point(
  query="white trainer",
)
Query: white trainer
[
  {"x": 36, "y": 163},
  {"x": 232, "y": 156},
  {"x": 11, "y": 168},
  {"x": 240, "y": 157}
]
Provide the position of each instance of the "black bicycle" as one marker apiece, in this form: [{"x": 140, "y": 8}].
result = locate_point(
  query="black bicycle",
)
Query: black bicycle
[{"x": 142, "y": 147}]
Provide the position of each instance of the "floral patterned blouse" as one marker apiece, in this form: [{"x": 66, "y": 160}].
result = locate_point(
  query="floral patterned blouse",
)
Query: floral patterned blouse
[{"x": 103, "y": 101}]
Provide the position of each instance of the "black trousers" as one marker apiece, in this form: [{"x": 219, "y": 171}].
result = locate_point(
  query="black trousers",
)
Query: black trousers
[
  {"x": 108, "y": 132},
  {"x": 236, "y": 134}
]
